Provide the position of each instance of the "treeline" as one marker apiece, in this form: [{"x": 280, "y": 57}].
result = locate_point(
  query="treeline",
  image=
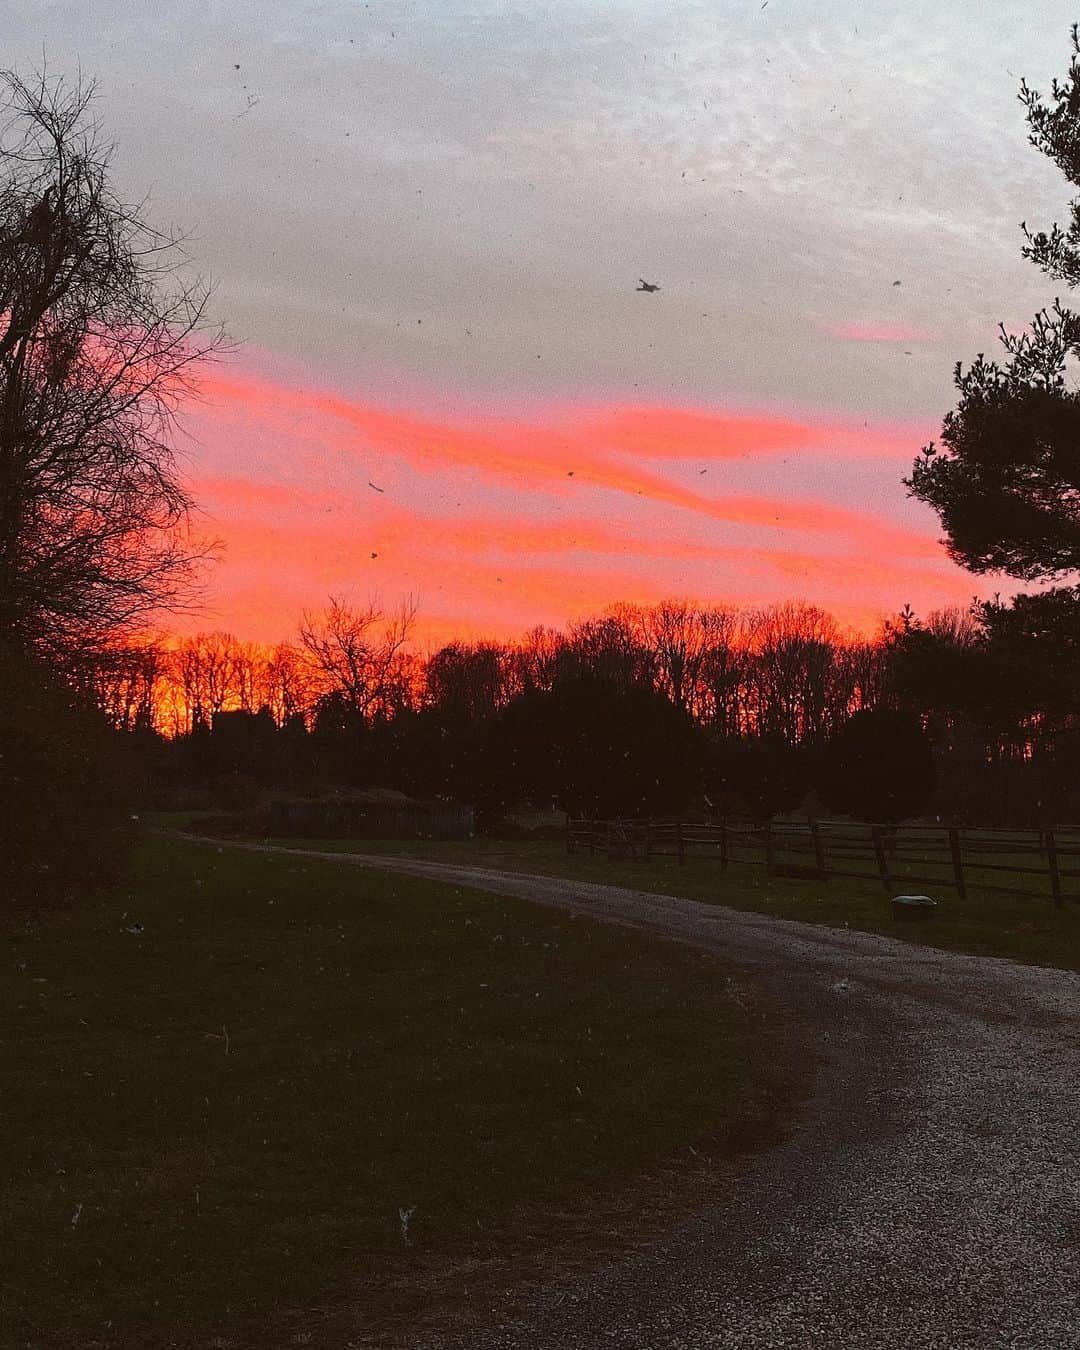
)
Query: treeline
[
  {"x": 670, "y": 707},
  {"x": 786, "y": 668}
]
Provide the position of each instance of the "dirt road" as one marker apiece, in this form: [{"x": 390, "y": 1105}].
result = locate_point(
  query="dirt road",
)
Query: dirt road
[{"x": 930, "y": 1195}]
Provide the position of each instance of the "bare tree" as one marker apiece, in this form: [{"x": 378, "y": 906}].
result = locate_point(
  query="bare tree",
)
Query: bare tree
[
  {"x": 100, "y": 334},
  {"x": 128, "y": 683},
  {"x": 678, "y": 634},
  {"x": 287, "y": 688},
  {"x": 467, "y": 678},
  {"x": 792, "y": 671},
  {"x": 863, "y": 672},
  {"x": 612, "y": 647},
  {"x": 360, "y": 654},
  {"x": 959, "y": 627},
  {"x": 533, "y": 662},
  {"x": 249, "y": 666},
  {"x": 722, "y": 688},
  {"x": 207, "y": 676}
]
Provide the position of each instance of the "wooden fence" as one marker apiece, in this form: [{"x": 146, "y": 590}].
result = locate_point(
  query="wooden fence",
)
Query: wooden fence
[{"x": 1010, "y": 862}]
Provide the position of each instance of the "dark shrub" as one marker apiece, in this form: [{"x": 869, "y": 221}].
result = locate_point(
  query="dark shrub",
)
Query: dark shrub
[
  {"x": 236, "y": 792},
  {"x": 61, "y": 797},
  {"x": 878, "y": 766},
  {"x": 594, "y": 747},
  {"x": 759, "y": 776}
]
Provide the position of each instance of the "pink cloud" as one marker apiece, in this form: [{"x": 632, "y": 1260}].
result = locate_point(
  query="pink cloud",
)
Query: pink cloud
[
  {"x": 876, "y": 332},
  {"x": 501, "y": 522},
  {"x": 499, "y": 574},
  {"x": 562, "y": 458}
]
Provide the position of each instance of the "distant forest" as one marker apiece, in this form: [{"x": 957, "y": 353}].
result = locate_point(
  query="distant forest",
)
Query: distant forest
[{"x": 967, "y": 715}]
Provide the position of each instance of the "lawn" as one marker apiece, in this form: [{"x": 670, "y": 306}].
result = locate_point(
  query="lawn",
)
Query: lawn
[
  {"x": 1023, "y": 928},
  {"x": 239, "y": 1080}
]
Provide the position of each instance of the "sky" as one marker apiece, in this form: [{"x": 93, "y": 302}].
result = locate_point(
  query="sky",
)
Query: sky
[{"x": 425, "y": 223}]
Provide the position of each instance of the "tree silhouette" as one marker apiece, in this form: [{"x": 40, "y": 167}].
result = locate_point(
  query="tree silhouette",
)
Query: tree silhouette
[
  {"x": 1006, "y": 479},
  {"x": 62, "y": 787},
  {"x": 360, "y": 654},
  {"x": 759, "y": 776},
  {"x": 100, "y": 338},
  {"x": 1035, "y": 641},
  {"x": 596, "y": 746},
  {"x": 878, "y": 765}
]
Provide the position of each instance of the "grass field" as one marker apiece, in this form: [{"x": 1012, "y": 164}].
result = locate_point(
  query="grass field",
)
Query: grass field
[
  {"x": 1024, "y": 928},
  {"x": 241, "y": 1078}
]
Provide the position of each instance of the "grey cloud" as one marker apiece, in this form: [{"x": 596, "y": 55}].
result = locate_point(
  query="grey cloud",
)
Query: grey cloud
[{"x": 511, "y": 169}]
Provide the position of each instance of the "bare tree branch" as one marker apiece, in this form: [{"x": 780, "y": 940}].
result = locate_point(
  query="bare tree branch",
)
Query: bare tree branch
[{"x": 101, "y": 336}]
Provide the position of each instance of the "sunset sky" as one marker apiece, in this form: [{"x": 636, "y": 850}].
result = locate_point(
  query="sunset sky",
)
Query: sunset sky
[{"x": 425, "y": 221}]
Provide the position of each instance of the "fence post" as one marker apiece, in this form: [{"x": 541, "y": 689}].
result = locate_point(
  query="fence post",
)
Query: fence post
[
  {"x": 957, "y": 863},
  {"x": 879, "y": 854},
  {"x": 1055, "y": 874},
  {"x": 679, "y": 841},
  {"x": 723, "y": 844},
  {"x": 569, "y": 834},
  {"x": 819, "y": 847}
]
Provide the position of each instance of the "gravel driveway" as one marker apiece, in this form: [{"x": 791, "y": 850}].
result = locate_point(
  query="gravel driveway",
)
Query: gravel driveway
[{"x": 930, "y": 1195}]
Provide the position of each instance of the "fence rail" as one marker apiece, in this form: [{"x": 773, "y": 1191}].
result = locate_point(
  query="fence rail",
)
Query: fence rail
[{"x": 892, "y": 855}]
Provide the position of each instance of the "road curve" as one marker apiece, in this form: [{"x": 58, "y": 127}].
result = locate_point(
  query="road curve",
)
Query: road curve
[{"x": 930, "y": 1194}]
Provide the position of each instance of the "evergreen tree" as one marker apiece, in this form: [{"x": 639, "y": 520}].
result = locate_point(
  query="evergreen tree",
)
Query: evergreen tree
[{"x": 1005, "y": 479}]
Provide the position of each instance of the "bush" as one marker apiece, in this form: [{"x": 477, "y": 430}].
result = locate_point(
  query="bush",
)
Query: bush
[
  {"x": 595, "y": 747},
  {"x": 237, "y": 792},
  {"x": 61, "y": 797},
  {"x": 879, "y": 765},
  {"x": 759, "y": 776}
]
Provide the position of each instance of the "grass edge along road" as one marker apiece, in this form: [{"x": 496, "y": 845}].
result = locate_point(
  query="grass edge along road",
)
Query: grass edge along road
[
  {"x": 239, "y": 1081},
  {"x": 1019, "y": 928}
]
